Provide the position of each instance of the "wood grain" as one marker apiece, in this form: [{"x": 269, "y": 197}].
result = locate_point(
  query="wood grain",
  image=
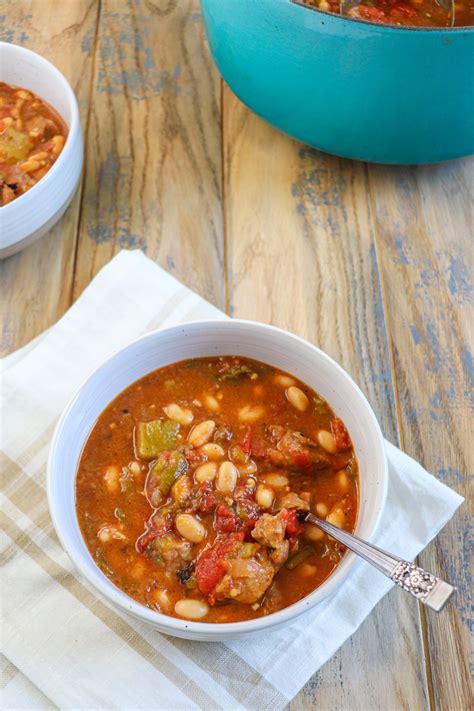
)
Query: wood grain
[
  {"x": 373, "y": 264},
  {"x": 301, "y": 255},
  {"x": 153, "y": 178},
  {"x": 37, "y": 283},
  {"x": 424, "y": 235}
]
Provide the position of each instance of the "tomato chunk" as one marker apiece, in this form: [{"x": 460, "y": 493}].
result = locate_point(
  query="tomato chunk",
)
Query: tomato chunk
[
  {"x": 145, "y": 539},
  {"x": 402, "y": 9},
  {"x": 341, "y": 435},
  {"x": 247, "y": 441},
  {"x": 211, "y": 565},
  {"x": 206, "y": 499},
  {"x": 258, "y": 447},
  {"x": 226, "y": 521},
  {"x": 303, "y": 460},
  {"x": 372, "y": 14},
  {"x": 293, "y": 526}
]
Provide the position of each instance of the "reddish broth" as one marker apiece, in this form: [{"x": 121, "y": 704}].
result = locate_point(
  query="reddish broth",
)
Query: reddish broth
[
  {"x": 250, "y": 543},
  {"x": 32, "y": 136}
]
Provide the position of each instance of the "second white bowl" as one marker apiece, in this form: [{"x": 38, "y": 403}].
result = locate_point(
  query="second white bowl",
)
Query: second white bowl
[{"x": 31, "y": 215}]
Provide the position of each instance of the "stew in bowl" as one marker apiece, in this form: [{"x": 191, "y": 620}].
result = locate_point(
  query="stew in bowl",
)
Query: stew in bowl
[{"x": 191, "y": 486}]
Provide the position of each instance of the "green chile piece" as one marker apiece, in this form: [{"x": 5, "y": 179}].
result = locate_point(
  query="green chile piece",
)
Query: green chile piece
[
  {"x": 164, "y": 472},
  {"x": 154, "y": 437}
]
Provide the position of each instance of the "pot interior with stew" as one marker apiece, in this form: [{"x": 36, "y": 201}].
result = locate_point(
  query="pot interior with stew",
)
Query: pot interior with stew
[{"x": 406, "y": 13}]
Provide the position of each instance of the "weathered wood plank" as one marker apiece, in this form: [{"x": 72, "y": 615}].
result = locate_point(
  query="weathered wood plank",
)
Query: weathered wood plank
[
  {"x": 37, "y": 283},
  {"x": 424, "y": 225},
  {"x": 301, "y": 255},
  {"x": 153, "y": 178}
]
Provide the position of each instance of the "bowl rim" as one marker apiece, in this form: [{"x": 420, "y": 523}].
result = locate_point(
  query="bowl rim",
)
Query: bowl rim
[
  {"x": 183, "y": 627},
  {"x": 73, "y": 127},
  {"x": 385, "y": 25}
]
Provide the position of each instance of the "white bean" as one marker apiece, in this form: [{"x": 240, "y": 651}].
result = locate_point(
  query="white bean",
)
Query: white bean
[
  {"x": 312, "y": 532},
  {"x": 190, "y": 528},
  {"x": 227, "y": 478},
  {"x": 337, "y": 517},
  {"x": 111, "y": 478},
  {"x": 327, "y": 441},
  {"x": 179, "y": 414},
  {"x": 104, "y": 535},
  {"x": 249, "y": 468},
  {"x": 297, "y": 398},
  {"x": 29, "y": 166},
  {"x": 212, "y": 450},
  {"x": 135, "y": 468},
  {"x": 192, "y": 609},
  {"x": 250, "y": 413},
  {"x": 201, "y": 433},
  {"x": 107, "y": 533},
  {"x": 162, "y": 599},
  {"x": 342, "y": 480},
  {"x": 206, "y": 472},
  {"x": 210, "y": 402},
  {"x": 306, "y": 570},
  {"x": 321, "y": 509},
  {"x": 278, "y": 481},
  {"x": 284, "y": 380},
  {"x": 264, "y": 496},
  {"x": 137, "y": 570}
]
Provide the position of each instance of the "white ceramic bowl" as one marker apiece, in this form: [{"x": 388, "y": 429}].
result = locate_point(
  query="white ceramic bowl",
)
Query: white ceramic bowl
[
  {"x": 211, "y": 338},
  {"x": 31, "y": 215}
]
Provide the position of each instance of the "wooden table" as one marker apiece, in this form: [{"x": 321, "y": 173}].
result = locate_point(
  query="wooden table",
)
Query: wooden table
[{"x": 371, "y": 263}]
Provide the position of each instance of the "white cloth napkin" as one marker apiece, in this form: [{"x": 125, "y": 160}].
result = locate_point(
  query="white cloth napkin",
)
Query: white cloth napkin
[{"x": 64, "y": 645}]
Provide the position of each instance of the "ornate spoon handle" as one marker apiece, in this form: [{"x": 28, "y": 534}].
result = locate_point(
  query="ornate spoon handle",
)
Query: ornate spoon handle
[{"x": 426, "y": 587}]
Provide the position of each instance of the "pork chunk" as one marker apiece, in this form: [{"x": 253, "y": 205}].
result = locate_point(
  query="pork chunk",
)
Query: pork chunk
[
  {"x": 270, "y": 532},
  {"x": 247, "y": 579},
  {"x": 233, "y": 570},
  {"x": 279, "y": 555},
  {"x": 170, "y": 551},
  {"x": 295, "y": 452},
  {"x": 292, "y": 501}
]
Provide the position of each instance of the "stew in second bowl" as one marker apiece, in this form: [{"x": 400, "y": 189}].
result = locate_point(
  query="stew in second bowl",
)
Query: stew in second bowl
[
  {"x": 32, "y": 136},
  {"x": 189, "y": 486}
]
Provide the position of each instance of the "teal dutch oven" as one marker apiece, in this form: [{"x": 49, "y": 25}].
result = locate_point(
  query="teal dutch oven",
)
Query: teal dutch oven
[{"x": 353, "y": 88}]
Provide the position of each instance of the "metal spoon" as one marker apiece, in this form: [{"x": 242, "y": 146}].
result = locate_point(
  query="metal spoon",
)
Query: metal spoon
[{"x": 430, "y": 590}]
